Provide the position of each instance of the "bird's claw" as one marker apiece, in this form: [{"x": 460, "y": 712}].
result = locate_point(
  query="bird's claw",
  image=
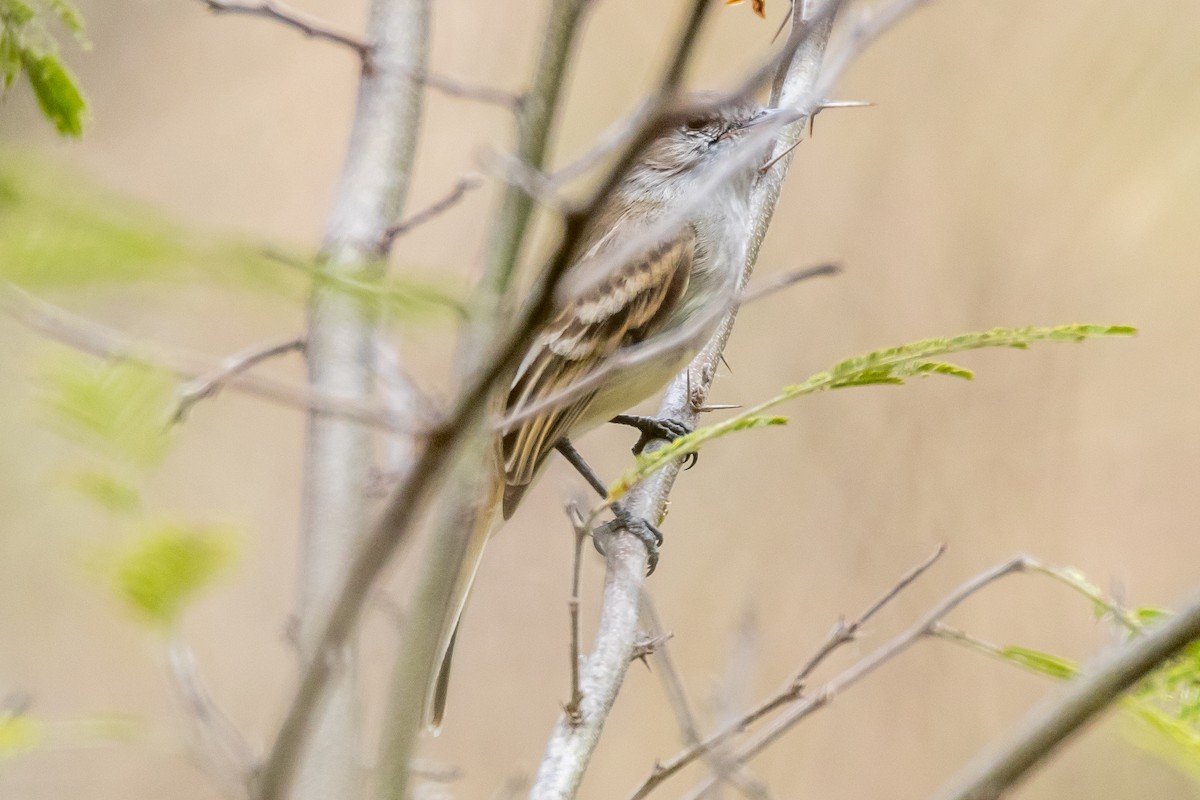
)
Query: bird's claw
[
  {"x": 657, "y": 428},
  {"x": 647, "y": 533}
]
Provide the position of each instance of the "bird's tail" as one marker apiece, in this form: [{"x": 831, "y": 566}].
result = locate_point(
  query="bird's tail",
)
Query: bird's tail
[{"x": 482, "y": 524}]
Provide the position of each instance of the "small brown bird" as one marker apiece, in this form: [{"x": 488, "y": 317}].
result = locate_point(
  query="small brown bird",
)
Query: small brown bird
[{"x": 685, "y": 277}]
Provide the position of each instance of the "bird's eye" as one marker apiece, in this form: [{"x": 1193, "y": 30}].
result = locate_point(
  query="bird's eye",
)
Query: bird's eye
[{"x": 697, "y": 124}]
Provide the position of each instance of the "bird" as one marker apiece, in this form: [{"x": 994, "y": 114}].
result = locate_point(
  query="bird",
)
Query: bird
[{"x": 627, "y": 288}]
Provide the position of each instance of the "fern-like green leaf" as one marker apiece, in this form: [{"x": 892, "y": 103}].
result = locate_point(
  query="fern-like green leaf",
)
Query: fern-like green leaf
[
  {"x": 646, "y": 463},
  {"x": 1044, "y": 663},
  {"x": 890, "y": 366},
  {"x": 169, "y": 565},
  {"x": 19, "y": 733},
  {"x": 106, "y": 489},
  {"x": 119, "y": 409}
]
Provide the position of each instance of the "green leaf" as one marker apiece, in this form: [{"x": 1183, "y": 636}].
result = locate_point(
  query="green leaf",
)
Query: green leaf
[
  {"x": 647, "y": 463},
  {"x": 15, "y": 14},
  {"x": 108, "y": 491},
  {"x": 404, "y": 296},
  {"x": 70, "y": 18},
  {"x": 56, "y": 91},
  {"x": 890, "y": 366},
  {"x": 19, "y": 733},
  {"x": 168, "y": 566},
  {"x": 120, "y": 409},
  {"x": 1044, "y": 663}
]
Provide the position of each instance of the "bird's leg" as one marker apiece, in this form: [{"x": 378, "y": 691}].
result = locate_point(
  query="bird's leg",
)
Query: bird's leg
[
  {"x": 650, "y": 535},
  {"x": 573, "y": 458},
  {"x": 654, "y": 428}
]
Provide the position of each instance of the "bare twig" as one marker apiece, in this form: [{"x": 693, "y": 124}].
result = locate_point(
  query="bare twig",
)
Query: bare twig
[
  {"x": 94, "y": 339},
  {"x": 270, "y": 9},
  {"x": 207, "y": 386},
  {"x": 317, "y": 29},
  {"x": 456, "y": 87},
  {"x": 993, "y": 773},
  {"x": 841, "y": 634},
  {"x": 452, "y": 198},
  {"x": 582, "y": 534},
  {"x": 722, "y": 769},
  {"x": 808, "y": 704},
  {"x": 219, "y": 743}
]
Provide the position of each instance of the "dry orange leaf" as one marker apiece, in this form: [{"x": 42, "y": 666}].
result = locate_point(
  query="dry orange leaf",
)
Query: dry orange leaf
[{"x": 757, "y": 6}]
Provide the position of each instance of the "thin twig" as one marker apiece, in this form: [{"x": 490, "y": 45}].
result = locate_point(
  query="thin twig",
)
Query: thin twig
[
  {"x": 582, "y": 534},
  {"x": 452, "y": 198},
  {"x": 808, "y": 704},
  {"x": 841, "y": 634},
  {"x": 90, "y": 337},
  {"x": 209, "y": 385},
  {"x": 224, "y": 750},
  {"x": 1046, "y": 727},
  {"x": 270, "y": 9},
  {"x": 317, "y": 29},
  {"x": 724, "y": 770},
  {"x": 456, "y": 87}
]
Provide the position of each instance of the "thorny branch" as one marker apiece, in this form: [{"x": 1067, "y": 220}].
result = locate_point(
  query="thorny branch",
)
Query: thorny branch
[{"x": 569, "y": 749}]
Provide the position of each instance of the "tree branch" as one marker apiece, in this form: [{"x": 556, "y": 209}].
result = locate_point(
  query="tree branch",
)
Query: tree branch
[
  {"x": 439, "y": 448},
  {"x": 218, "y": 741},
  {"x": 455, "y": 195},
  {"x": 991, "y": 774},
  {"x": 208, "y": 385},
  {"x": 94, "y": 339},
  {"x": 272, "y": 10},
  {"x": 340, "y": 355}
]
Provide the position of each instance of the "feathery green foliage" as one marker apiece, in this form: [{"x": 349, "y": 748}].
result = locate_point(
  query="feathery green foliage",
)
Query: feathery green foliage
[
  {"x": 19, "y": 733},
  {"x": 1166, "y": 702},
  {"x": 120, "y": 409},
  {"x": 891, "y": 366},
  {"x": 27, "y": 47},
  {"x": 167, "y": 565}
]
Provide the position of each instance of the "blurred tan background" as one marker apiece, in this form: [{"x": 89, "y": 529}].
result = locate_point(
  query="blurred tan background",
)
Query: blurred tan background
[{"x": 1026, "y": 163}]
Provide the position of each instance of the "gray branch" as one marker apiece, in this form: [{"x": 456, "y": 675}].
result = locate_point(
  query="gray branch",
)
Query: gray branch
[{"x": 339, "y": 352}]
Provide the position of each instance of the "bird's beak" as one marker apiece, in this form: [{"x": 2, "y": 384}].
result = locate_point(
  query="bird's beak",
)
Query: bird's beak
[
  {"x": 765, "y": 116},
  {"x": 770, "y": 115}
]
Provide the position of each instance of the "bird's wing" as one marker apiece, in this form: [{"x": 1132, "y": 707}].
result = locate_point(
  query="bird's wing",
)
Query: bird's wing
[{"x": 623, "y": 309}]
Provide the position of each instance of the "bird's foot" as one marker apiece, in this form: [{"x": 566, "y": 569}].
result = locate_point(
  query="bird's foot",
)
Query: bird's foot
[
  {"x": 650, "y": 536},
  {"x": 657, "y": 428}
]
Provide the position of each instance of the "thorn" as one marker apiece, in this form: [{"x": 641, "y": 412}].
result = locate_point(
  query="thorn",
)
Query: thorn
[
  {"x": 726, "y": 363},
  {"x": 717, "y": 407},
  {"x": 845, "y": 104}
]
